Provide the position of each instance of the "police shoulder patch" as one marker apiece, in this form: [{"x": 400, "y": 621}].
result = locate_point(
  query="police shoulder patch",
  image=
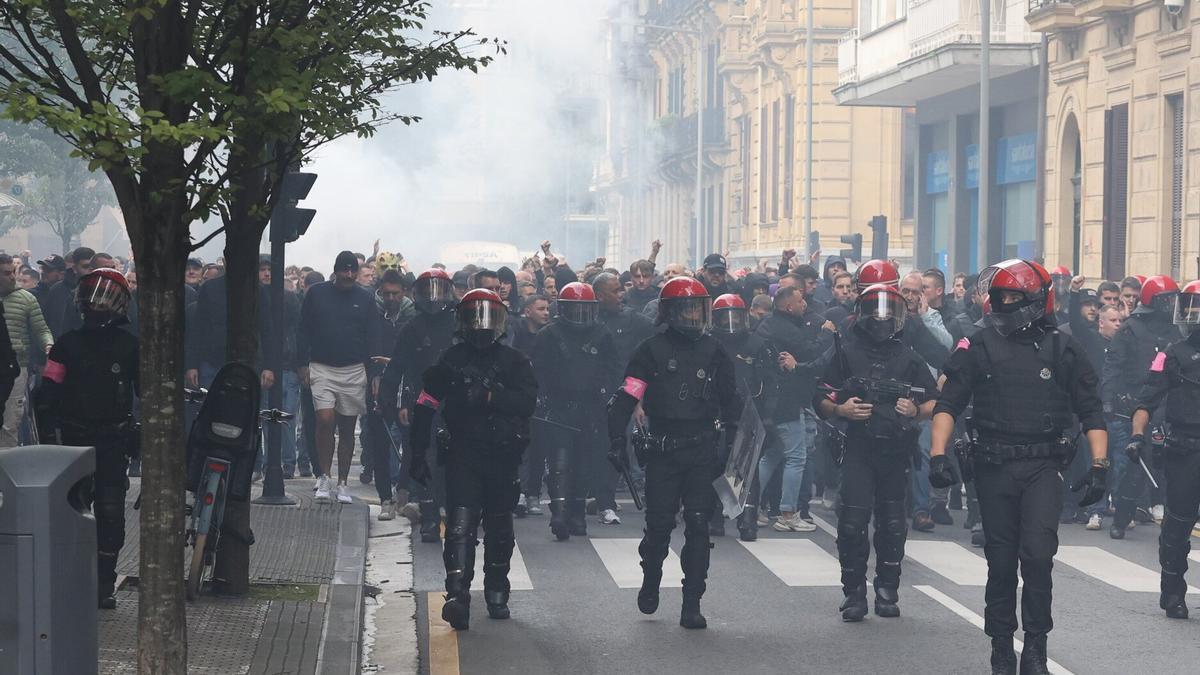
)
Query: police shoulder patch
[{"x": 964, "y": 343}]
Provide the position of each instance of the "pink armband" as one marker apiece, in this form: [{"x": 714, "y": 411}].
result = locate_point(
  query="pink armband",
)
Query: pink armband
[
  {"x": 1160, "y": 361},
  {"x": 55, "y": 372},
  {"x": 427, "y": 400},
  {"x": 634, "y": 387},
  {"x": 963, "y": 344}
]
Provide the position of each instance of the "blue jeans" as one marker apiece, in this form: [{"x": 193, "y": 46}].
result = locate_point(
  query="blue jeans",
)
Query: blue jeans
[
  {"x": 920, "y": 474},
  {"x": 1119, "y": 433},
  {"x": 290, "y": 404},
  {"x": 792, "y": 451}
]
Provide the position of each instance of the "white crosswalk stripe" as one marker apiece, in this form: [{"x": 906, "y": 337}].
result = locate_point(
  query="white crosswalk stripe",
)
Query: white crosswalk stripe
[
  {"x": 1111, "y": 569},
  {"x": 518, "y": 574},
  {"x": 621, "y": 559},
  {"x": 797, "y": 562},
  {"x": 950, "y": 560}
]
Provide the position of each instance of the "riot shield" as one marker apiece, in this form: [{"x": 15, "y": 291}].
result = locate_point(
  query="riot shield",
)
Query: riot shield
[{"x": 734, "y": 484}]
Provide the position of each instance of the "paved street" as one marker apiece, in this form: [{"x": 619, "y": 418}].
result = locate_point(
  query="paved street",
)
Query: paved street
[{"x": 772, "y": 604}]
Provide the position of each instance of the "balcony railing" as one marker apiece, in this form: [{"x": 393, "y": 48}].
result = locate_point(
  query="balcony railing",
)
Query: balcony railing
[
  {"x": 1035, "y": 5},
  {"x": 848, "y": 57},
  {"x": 678, "y": 134}
]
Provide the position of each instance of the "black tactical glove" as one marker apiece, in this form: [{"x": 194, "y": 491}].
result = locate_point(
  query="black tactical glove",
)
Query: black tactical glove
[
  {"x": 419, "y": 469},
  {"x": 1136, "y": 447},
  {"x": 1093, "y": 482},
  {"x": 616, "y": 452},
  {"x": 941, "y": 472}
]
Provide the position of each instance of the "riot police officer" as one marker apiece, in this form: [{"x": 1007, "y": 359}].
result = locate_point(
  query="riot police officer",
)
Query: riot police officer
[
  {"x": 685, "y": 381},
  {"x": 757, "y": 377},
  {"x": 86, "y": 398},
  {"x": 1027, "y": 379},
  {"x": 1146, "y": 334},
  {"x": 418, "y": 345},
  {"x": 486, "y": 393},
  {"x": 1174, "y": 378},
  {"x": 578, "y": 360},
  {"x": 881, "y": 388}
]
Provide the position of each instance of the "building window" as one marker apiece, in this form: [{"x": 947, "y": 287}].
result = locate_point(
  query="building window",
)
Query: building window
[
  {"x": 1116, "y": 190},
  {"x": 908, "y": 145},
  {"x": 775, "y": 145},
  {"x": 1175, "y": 180},
  {"x": 763, "y": 156},
  {"x": 744, "y": 125},
  {"x": 789, "y": 152}
]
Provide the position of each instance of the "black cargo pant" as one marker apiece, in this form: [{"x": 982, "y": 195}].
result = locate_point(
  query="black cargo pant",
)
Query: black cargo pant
[
  {"x": 572, "y": 457},
  {"x": 873, "y": 481},
  {"x": 682, "y": 476},
  {"x": 482, "y": 485},
  {"x": 1183, "y": 499},
  {"x": 1019, "y": 501},
  {"x": 109, "y": 486}
]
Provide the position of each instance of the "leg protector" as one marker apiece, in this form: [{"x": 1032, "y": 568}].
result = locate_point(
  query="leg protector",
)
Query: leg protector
[
  {"x": 694, "y": 557},
  {"x": 556, "y": 487},
  {"x": 430, "y": 518},
  {"x": 748, "y": 524},
  {"x": 576, "y": 518},
  {"x": 891, "y": 531},
  {"x": 110, "y": 535},
  {"x": 459, "y": 552},
  {"x": 853, "y": 546},
  {"x": 498, "y": 543}
]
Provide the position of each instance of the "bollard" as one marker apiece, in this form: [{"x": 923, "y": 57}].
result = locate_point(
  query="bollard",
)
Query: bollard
[{"x": 47, "y": 561}]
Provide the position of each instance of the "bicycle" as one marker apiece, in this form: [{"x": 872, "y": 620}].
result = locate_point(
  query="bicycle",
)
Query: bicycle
[{"x": 207, "y": 510}]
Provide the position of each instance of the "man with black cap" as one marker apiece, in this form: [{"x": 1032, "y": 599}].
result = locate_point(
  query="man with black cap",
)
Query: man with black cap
[
  {"x": 339, "y": 334},
  {"x": 462, "y": 284},
  {"x": 714, "y": 275},
  {"x": 52, "y": 268},
  {"x": 195, "y": 272},
  {"x": 59, "y": 309}
]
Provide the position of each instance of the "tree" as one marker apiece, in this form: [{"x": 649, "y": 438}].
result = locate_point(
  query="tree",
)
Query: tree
[
  {"x": 61, "y": 192},
  {"x": 191, "y": 108}
]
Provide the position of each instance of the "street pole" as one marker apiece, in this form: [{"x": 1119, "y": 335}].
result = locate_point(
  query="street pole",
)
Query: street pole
[
  {"x": 808, "y": 142},
  {"x": 273, "y": 492},
  {"x": 985, "y": 136},
  {"x": 699, "y": 220}
]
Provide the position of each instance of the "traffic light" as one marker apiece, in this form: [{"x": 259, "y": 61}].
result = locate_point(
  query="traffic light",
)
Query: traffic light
[
  {"x": 288, "y": 221},
  {"x": 879, "y": 242},
  {"x": 855, "y": 251}
]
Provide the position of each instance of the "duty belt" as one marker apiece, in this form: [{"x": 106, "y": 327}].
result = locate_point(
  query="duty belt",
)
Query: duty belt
[
  {"x": 996, "y": 453},
  {"x": 671, "y": 443}
]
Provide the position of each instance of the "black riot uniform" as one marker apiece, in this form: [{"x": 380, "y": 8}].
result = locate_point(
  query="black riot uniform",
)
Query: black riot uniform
[
  {"x": 873, "y": 367},
  {"x": 1174, "y": 379},
  {"x": 419, "y": 343},
  {"x": 486, "y": 393},
  {"x": 1145, "y": 335},
  {"x": 578, "y": 362},
  {"x": 1028, "y": 380},
  {"x": 757, "y": 375},
  {"x": 85, "y": 398},
  {"x": 685, "y": 382}
]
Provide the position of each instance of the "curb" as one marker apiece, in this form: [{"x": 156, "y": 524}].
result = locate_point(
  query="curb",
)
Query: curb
[{"x": 339, "y": 649}]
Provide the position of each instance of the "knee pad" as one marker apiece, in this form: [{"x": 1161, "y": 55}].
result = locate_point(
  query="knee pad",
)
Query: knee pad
[
  {"x": 461, "y": 525},
  {"x": 891, "y": 517},
  {"x": 696, "y": 522},
  {"x": 853, "y": 521},
  {"x": 1176, "y": 528},
  {"x": 659, "y": 523}
]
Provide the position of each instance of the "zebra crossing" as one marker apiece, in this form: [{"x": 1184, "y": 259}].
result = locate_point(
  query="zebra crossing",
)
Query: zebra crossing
[{"x": 803, "y": 562}]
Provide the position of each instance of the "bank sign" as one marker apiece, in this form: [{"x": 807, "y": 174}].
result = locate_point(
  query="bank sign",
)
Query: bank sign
[{"x": 1016, "y": 159}]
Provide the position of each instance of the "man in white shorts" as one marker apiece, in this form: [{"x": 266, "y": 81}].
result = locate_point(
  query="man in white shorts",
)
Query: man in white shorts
[{"x": 339, "y": 332}]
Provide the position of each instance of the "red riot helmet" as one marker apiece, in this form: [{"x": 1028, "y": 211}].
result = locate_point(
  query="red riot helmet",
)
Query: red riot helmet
[
  {"x": 577, "y": 304},
  {"x": 1158, "y": 295},
  {"x": 729, "y": 315},
  {"x": 685, "y": 306},
  {"x": 1141, "y": 278},
  {"x": 1187, "y": 307},
  {"x": 1025, "y": 278},
  {"x": 880, "y": 312},
  {"x": 1061, "y": 276},
  {"x": 876, "y": 272},
  {"x": 433, "y": 291},
  {"x": 481, "y": 317},
  {"x": 102, "y": 296}
]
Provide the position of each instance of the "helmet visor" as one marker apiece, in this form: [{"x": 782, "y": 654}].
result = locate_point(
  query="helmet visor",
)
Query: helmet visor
[
  {"x": 882, "y": 306},
  {"x": 688, "y": 314},
  {"x": 482, "y": 315},
  {"x": 99, "y": 294},
  {"x": 578, "y": 312},
  {"x": 1187, "y": 309},
  {"x": 730, "y": 320},
  {"x": 433, "y": 292}
]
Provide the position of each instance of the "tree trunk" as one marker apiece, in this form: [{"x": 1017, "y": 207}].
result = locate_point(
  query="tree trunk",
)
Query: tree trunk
[
  {"x": 66, "y": 243},
  {"x": 162, "y": 250}
]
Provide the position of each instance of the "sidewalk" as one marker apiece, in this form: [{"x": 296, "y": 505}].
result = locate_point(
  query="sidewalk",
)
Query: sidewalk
[{"x": 303, "y": 614}]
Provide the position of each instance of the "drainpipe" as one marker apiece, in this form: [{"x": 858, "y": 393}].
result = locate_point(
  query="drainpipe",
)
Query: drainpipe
[{"x": 1039, "y": 219}]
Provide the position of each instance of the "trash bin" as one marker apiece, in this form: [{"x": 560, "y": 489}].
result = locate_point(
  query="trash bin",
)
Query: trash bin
[{"x": 47, "y": 561}]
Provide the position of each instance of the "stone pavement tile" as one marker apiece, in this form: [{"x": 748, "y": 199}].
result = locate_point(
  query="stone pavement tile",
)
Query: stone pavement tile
[{"x": 290, "y": 639}]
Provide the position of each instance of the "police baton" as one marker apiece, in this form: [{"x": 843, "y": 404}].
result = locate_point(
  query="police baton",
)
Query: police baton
[
  {"x": 560, "y": 425},
  {"x": 1147, "y": 470}
]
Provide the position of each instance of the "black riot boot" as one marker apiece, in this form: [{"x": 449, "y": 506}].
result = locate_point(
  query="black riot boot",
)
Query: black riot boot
[
  {"x": 647, "y": 600},
  {"x": 577, "y": 517},
  {"x": 430, "y": 521},
  {"x": 106, "y": 564},
  {"x": 458, "y": 555},
  {"x": 694, "y": 559},
  {"x": 655, "y": 545},
  {"x": 886, "y": 600},
  {"x": 854, "y": 607},
  {"x": 748, "y": 524},
  {"x": 1033, "y": 656},
  {"x": 1174, "y": 544},
  {"x": 498, "y": 543},
  {"x": 1174, "y": 605},
  {"x": 690, "y": 616},
  {"x": 106, "y": 597},
  {"x": 1004, "y": 659}
]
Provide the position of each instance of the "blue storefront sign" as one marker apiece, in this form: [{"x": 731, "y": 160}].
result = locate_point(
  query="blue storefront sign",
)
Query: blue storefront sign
[
  {"x": 972, "y": 177},
  {"x": 1016, "y": 159},
  {"x": 937, "y": 173}
]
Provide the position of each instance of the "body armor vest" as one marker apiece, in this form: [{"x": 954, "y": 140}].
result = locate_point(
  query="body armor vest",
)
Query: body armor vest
[
  {"x": 1149, "y": 338},
  {"x": 1183, "y": 401},
  {"x": 682, "y": 386},
  {"x": 99, "y": 385},
  {"x": 747, "y": 352},
  {"x": 1024, "y": 389},
  {"x": 579, "y": 357},
  {"x": 890, "y": 361},
  {"x": 432, "y": 334}
]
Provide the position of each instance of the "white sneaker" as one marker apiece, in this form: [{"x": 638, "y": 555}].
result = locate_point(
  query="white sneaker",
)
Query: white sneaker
[
  {"x": 387, "y": 510},
  {"x": 763, "y": 520},
  {"x": 411, "y": 511},
  {"x": 1156, "y": 512},
  {"x": 322, "y": 494},
  {"x": 343, "y": 494},
  {"x": 317, "y": 483},
  {"x": 610, "y": 517},
  {"x": 1094, "y": 522},
  {"x": 794, "y": 524}
]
